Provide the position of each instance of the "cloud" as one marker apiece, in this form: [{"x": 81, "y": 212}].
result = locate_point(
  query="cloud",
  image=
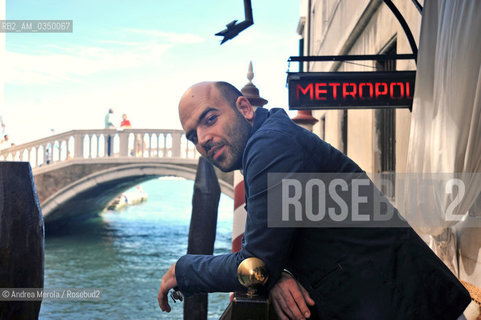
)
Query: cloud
[
  {"x": 120, "y": 43},
  {"x": 53, "y": 63},
  {"x": 172, "y": 37},
  {"x": 70, "y": 63}
]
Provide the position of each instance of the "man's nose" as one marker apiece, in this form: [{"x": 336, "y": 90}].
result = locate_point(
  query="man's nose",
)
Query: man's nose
[{"x": 203, "y": 139}]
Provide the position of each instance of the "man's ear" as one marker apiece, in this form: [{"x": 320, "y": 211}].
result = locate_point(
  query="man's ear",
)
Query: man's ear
[{"x": 245, "y": 108}]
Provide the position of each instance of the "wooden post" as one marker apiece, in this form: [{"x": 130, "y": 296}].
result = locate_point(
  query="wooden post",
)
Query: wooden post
[
  {"x": 21, "y": 239},
  {"x": 203, "y": 225}
]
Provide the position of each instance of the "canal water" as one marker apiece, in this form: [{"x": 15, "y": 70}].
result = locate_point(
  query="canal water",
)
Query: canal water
[{"x": 126, "y": 253}]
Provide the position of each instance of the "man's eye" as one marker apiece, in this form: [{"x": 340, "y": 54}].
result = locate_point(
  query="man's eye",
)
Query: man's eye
[{"x": 211, "y": 119}]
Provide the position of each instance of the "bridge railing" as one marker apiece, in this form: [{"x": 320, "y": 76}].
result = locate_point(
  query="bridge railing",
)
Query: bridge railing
[{"x": 103, "y": 143}]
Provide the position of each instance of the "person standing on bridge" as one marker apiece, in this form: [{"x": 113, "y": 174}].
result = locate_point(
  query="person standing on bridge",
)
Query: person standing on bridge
[
  {"x": 3, "y": 127},
  {"x": 340, "y": 273},
  {"x": 125, "y": 123},
  {"x": 109, "y": 124},
  {"x": 4, "y": 142}
]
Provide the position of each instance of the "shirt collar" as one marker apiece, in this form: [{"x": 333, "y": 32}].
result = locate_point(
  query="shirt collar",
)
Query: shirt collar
[{"x": 261, "y": 115}]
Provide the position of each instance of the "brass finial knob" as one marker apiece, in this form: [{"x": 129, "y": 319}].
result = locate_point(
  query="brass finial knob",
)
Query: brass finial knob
[{"x": 252, "y": 274}]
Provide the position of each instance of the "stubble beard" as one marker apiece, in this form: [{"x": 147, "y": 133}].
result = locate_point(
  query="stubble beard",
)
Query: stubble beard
[{"x": 235, "y": 149}]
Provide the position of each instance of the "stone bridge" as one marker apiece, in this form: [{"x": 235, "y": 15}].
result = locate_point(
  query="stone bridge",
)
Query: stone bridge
[{"x": 77, "y": 173}]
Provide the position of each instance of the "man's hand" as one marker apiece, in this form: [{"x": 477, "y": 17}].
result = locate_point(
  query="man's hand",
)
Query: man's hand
[
  {"x": 289, "y": 298},
  {"x": 168, "y": 282}
]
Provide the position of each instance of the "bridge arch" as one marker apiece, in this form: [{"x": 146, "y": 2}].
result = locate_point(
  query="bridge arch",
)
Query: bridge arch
[
  {"x": 92, "y": 193},
  {"x": 79, "y": 171}
]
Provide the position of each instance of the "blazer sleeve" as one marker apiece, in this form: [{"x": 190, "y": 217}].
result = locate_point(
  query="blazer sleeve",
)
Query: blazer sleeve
[{"x": 267, "y": 151}]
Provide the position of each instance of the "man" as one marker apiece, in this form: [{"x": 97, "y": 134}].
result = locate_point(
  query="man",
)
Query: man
[
  {"x": 109, "y": 124},
  {"x": 4, "y": 143},
  {"x": 341, "y": 273}
]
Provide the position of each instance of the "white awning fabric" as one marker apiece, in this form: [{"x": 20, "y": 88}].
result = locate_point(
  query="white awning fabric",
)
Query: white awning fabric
[{"x": 445, "y": 132}]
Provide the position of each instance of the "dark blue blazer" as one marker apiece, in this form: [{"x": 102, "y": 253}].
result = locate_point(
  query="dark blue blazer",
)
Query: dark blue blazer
[{"x": 351, "y": 273}]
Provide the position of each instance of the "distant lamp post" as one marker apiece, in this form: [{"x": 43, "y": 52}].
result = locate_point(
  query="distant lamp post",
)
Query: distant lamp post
[
  {"x": 305, "y": 119},
  {"x": 251, "y": 92}
]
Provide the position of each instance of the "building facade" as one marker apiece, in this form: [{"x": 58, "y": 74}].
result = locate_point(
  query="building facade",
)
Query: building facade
[{"x": 377, "y": 139}]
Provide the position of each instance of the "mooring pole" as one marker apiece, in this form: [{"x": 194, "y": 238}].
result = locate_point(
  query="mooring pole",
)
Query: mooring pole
[
  {"x": 203, "y": 225},
  {"x": 21, "y": 240}
]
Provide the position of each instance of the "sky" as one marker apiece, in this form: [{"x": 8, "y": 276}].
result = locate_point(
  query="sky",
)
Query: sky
[{"x": 137, "y": 57}]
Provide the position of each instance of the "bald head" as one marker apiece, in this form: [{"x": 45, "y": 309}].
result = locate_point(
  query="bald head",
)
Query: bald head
[
  {"x": 228, "y": 92},
  {"x": 209, "y": 88},
  {"x": 198, "y": 93},
  {"x": 217, "y": 119},
  {"x": 208, "y": 92}
]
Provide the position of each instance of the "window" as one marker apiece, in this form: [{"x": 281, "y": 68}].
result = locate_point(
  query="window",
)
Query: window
[
  {"x": 323, "y": 127},
  {"x": 385, "y": 122}
]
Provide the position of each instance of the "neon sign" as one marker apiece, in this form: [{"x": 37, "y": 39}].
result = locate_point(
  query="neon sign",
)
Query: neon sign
[{"x": 354, "y": 90}]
